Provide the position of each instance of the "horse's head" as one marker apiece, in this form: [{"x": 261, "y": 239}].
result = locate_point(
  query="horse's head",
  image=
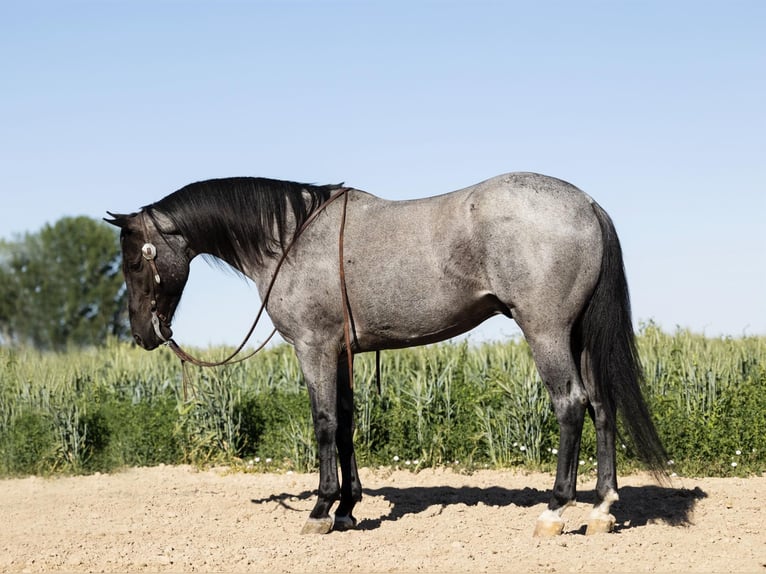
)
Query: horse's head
[{"x": 155, "y": 262}]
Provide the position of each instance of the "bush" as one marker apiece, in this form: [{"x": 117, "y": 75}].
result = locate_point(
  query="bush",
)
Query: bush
[
  {"x": 121, "y": 433},
  {"x": 708, "y": 397},
  {"x": 26, "y": 445},
  {"x": 481, "y": 405}
]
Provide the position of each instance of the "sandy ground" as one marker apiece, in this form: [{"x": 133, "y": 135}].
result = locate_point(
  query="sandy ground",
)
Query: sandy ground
[{"x": 178, "y": 519}]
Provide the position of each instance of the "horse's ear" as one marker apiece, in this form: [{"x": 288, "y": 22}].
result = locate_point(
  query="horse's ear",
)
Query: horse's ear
[{"x": 118, "y": 219}]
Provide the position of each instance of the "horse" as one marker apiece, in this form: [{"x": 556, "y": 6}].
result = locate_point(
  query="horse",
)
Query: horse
[{"x": 339, "y": 278}]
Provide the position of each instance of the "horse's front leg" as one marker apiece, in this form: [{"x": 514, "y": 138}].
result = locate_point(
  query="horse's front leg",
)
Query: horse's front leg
[
  {"x": 320, "y": 371},
  {"x": 351, "y": 487}
]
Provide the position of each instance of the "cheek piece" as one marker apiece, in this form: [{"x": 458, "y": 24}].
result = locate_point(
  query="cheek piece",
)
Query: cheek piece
[{"x": 149, "y": 252}]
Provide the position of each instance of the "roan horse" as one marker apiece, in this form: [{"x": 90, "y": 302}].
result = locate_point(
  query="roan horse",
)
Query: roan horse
[{"x": 530, "y": 247}]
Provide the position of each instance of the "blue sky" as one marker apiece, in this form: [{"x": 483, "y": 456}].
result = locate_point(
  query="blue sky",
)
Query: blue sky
[{"x": 656, "y": 109}]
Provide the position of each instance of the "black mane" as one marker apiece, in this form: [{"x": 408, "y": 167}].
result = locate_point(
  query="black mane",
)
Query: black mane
[{"x": 240, "y": 219}]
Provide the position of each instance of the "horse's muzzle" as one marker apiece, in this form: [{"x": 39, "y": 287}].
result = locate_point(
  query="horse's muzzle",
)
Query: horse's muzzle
[{"x": 151, "y": 339}]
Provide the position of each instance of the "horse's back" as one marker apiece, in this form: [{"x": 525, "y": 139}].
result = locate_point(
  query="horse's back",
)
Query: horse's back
[
  {"x": 530, "y": 195},
  {"x": 516, "y": 243}
]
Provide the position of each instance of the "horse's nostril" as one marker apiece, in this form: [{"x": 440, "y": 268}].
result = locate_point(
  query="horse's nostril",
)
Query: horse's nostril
[{"x": 137, "y": 339}]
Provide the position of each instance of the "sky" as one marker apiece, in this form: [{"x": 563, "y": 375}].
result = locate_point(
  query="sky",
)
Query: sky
[{"x": 656, "y": 109}]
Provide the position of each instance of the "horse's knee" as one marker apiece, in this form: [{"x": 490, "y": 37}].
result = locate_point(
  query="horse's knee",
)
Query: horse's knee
[{"x": 325, "y": 427}]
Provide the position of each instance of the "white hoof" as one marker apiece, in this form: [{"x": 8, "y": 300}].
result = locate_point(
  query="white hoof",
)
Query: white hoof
[
  {"x": 549, "y": 524},
  {"x": 548, "y": 529},
  {"x": 600, "y": 523},
  {"x": 600, "y": 520}
]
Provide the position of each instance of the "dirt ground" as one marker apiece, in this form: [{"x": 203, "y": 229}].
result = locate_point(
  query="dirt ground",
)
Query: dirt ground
[{"x": 178, "y": 519}]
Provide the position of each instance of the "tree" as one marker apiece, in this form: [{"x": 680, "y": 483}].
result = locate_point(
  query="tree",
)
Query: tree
[
  {"x": 63, "y": 286},
  {"x": 7, "y": 293}
]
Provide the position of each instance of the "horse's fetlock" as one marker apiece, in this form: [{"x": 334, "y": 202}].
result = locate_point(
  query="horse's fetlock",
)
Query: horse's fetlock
[{"x": 563, "y": 496}]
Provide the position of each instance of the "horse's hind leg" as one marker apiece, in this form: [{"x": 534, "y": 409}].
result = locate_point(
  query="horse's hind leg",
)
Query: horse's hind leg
[
  {"x": 604, "y": 420},
  {"x": 351, "y": 487},
  {"x": 555, "y": 363}
]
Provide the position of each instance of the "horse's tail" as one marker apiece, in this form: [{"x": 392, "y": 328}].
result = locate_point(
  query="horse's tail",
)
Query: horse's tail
[{"x": 610, "y": 343}]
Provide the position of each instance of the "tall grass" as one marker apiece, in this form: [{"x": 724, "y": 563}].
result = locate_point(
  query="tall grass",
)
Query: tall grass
[
  {"x": 454, "y": 403},
  {"x": 708, "y": 397}
]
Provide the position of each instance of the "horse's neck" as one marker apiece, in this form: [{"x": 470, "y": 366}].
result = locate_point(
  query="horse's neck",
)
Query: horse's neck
[{"x": 260, "y": 272}]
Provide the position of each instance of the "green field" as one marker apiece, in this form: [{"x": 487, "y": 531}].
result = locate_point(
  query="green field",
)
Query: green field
[{"x": 457, "y": 404}]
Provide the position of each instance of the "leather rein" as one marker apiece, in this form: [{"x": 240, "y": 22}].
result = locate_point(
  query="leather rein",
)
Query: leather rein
[{"x": 149, "y": 253}]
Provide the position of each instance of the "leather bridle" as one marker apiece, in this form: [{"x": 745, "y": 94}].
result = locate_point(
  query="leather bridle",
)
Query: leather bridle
[{"x": 149, "y": 253}]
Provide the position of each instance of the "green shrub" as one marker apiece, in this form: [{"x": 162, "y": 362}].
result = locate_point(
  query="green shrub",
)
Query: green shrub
[
  {"x": 708, "y": 399},
  {"x": 26, "y": 445},
  {"x": 481, "y": 405},
  {"x": 123, "y": 433}
]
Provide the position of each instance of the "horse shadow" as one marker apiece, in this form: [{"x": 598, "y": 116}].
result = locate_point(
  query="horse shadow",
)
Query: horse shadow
[{"x": 638, "y": 505}]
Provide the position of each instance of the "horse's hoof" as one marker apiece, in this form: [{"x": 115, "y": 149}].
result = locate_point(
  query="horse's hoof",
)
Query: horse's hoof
[
  {"x": 600, "y": 524},
  {"x": 343, "y": 523},
  {"x": 317, "y": 526},
  {"x": 550, "y": 523},
  {"x": 548, "y": 528}
]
